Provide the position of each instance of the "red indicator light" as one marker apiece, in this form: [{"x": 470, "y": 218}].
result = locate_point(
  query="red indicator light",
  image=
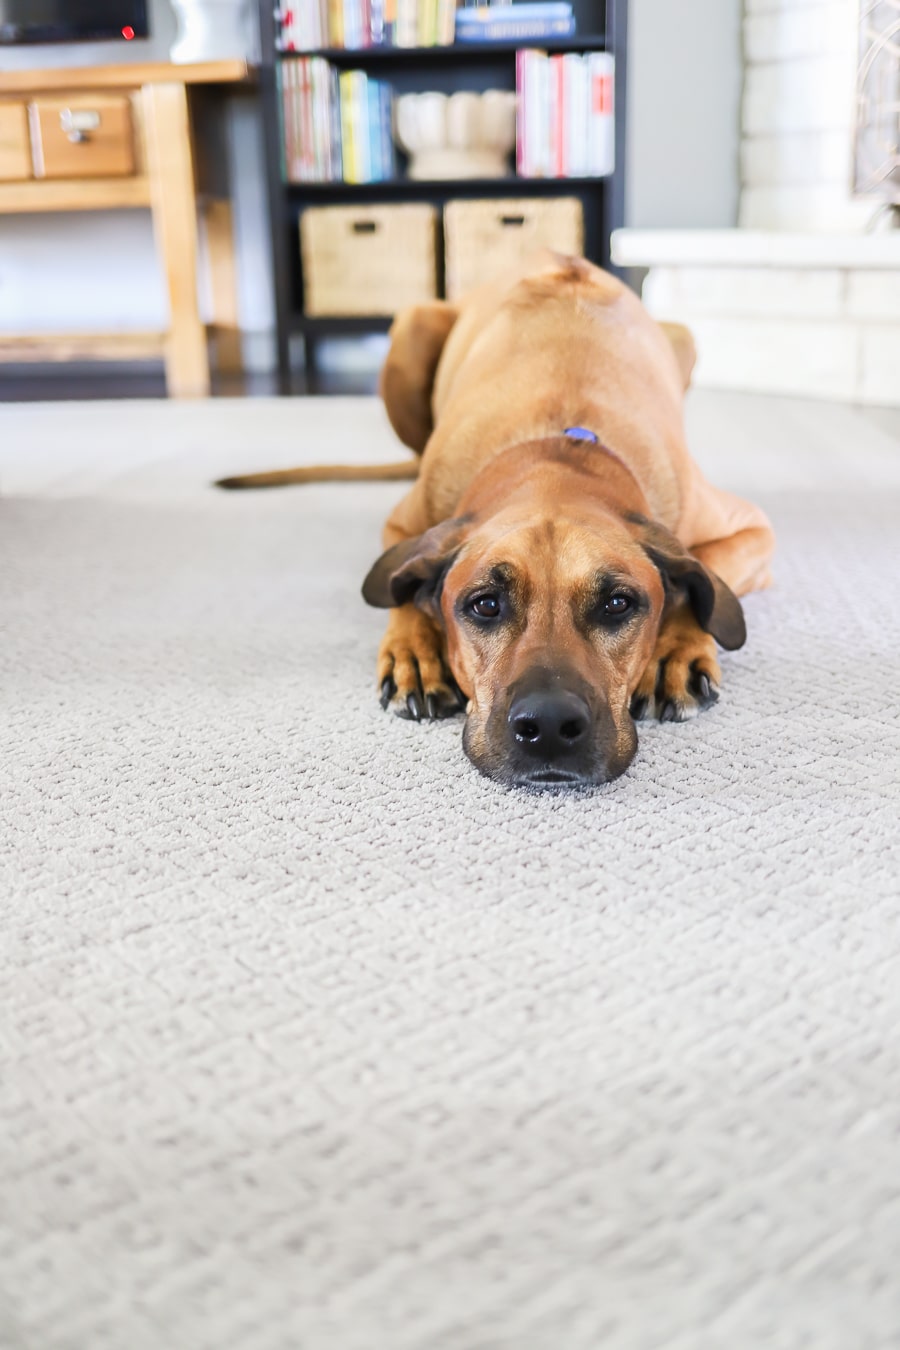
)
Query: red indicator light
[{"x": 128, "y": 32}]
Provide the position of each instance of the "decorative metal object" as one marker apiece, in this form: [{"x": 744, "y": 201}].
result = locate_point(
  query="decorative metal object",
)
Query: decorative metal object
[{"x": 877, "y": 142}]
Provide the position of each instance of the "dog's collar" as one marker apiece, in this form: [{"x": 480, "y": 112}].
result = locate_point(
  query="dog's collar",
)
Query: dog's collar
[{"x": 591, "y": 437}]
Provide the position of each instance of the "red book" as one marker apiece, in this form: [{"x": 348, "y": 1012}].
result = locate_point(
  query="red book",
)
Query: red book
[
  {"x": 601, "y": 138},
  {"x": 558, "y": 104}
]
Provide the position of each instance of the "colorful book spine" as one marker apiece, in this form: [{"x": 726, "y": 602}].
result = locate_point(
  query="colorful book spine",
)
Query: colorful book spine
[
  {"x": 361, "y": 142},
  {"x": 334, "y": 125},
  {"x": 575, "y": 93},
  {"x": 302, "y": 122},
  {"x": 565, "y": 117},
  {"x": 321, "y": 119},
  {"x": 557, "y": 118},
  {"x": 521, "y": 145},
  {"x": 282, "y": 74},
  {"x": 538, "y": 9},
  {"x": 446, "y": 22},
  {"x": 373, "y": 129},
  {"x": 534, "y": 113},
  {"x": 601, "y": 125},
  {"x": 335, "y": 23},
  {"x": 348, "y": 161},
  {"x": 407, "y": 24},
  {"x": 499, "y": 23},
  {"x": 510, "y": 31},
  {"x": 386, "y": 122}
]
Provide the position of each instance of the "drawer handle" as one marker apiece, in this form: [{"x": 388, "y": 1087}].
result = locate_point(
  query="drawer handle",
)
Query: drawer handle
[
  {"x": 77, "y": 123},
  {"x": 364, "y": 227},
  {"x": 512, "y": 220}
]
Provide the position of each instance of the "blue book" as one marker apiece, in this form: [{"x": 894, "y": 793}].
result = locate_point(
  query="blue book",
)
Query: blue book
[
  {"x": 508, "y": 31},
  {"x": 530, "y": 9},
  {"x": 373, "y": 112},
  {"x": 387, "y": 140}
]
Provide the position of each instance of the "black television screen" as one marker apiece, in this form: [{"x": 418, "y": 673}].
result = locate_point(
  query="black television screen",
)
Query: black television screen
[{"x": 71, "y": 20}]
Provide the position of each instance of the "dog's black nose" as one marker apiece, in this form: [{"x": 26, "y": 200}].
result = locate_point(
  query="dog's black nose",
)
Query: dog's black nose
[{"x": 549, "y": 723}]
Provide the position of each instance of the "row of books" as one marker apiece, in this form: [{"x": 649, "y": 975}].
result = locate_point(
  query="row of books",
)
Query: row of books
[
  {"x": 337, "y": 127},
  {"x": 311, "y": 25},
  {"x": 565, "y": 119}
]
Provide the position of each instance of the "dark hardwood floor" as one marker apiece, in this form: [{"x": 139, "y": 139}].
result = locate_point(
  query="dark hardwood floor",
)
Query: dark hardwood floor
[{"x": 57, "y": 383}]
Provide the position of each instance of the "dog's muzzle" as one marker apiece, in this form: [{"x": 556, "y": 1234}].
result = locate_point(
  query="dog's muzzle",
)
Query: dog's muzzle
[{"x": 550, "y": 731}]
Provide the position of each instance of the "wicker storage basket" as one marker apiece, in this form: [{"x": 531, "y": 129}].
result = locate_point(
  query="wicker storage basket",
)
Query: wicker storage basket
[
  {"x": 367, "y": 259},
  {"x": 483, "y": 237}
]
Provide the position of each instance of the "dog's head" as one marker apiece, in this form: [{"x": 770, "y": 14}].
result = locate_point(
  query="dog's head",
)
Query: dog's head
[{"x": 550, "y": 623}]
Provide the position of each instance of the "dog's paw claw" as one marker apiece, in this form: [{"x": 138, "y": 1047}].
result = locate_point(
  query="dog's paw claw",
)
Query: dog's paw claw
[
  {"x": 702, "y": 688},
  {"x": 681, "y": 680},
  {"x": 414, "y": 682}
]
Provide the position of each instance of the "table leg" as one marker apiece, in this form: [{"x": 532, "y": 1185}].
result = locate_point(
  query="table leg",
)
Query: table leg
[
  {"x": 171, "y": 173},
  {"x": 223, "y": 278}
]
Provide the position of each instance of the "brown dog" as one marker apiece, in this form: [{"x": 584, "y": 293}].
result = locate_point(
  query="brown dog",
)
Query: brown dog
[{"x": 560, "y": 559}]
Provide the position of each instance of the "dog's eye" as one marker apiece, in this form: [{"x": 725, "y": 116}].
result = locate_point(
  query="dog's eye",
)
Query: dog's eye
[
  {"x": 485, "y": 606},
  {"x": 617, "y": 606}
]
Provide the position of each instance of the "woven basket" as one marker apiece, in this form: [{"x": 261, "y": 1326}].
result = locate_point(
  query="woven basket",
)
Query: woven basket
[
  {"x": 483, "y": 237},
  {"x": 367, "y": 259}
]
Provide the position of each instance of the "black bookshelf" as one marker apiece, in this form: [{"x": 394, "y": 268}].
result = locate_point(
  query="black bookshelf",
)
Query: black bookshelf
[{"x": 601, "y": 25}]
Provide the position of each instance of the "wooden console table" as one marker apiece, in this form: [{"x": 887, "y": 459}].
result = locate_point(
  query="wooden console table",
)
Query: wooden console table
[{"x": 130, "y": 136}]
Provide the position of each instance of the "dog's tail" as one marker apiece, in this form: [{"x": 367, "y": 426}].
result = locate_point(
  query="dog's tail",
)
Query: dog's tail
[{"x": 326, "y": 473}]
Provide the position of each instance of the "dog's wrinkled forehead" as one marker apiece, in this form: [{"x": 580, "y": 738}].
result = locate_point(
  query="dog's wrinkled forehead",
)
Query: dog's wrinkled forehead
[{"x": 529, "y": 559}]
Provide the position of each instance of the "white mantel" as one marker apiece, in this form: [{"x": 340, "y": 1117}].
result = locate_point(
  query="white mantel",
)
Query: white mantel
[
  {"x": 756, "y": 248},
  {"x": 779, "y": 312}
]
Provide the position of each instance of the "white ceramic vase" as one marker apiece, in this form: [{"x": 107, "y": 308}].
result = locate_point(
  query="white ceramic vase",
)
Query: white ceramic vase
[
  {"x": 464, "y": 135},
  {"x": 212, "y": 30}
]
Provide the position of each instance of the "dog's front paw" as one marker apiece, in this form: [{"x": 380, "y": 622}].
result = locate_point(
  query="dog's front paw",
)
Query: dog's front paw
[
  {"x": 682, "y": 678},
  {"x": 413, "y": 678}
]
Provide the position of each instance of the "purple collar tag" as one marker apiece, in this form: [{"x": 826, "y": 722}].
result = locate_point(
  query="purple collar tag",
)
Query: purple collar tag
[{"x": 580, "y": 434}]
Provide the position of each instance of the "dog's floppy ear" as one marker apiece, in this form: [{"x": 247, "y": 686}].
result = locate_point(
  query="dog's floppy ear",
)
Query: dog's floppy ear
[
  {"x": 412, "y": 569},
  {"x": 716, "y": 607}
]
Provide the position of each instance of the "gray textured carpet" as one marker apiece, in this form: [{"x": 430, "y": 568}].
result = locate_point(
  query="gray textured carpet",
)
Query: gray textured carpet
[{"x": 311, "y": 1038}]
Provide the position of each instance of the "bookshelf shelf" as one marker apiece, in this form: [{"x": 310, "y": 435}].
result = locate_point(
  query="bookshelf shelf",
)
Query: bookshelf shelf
[
  {"x": 458, "y": 53},
  {"x": 400, "y": 188},
  {"x": 600, "y": 26},
  {"x": 338, "y": 326}
]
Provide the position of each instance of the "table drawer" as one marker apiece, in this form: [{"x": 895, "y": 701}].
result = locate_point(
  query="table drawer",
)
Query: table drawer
[
  {"x": 15, "y": 151},
  {"x": 84, "y": 136}
]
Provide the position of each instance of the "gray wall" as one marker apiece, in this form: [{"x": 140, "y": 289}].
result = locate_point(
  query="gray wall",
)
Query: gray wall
[{"x": 684, "y": 110}]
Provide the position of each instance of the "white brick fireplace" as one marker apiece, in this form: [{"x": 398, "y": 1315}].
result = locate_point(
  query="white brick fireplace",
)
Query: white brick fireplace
[{"x": 803, "y": 297}]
